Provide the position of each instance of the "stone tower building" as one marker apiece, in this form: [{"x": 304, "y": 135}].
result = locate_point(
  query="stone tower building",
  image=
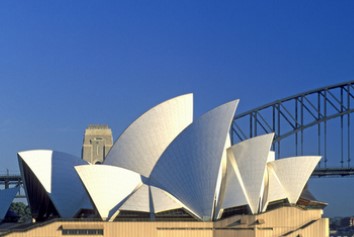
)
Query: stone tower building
[{"x": 98, "y": 141}]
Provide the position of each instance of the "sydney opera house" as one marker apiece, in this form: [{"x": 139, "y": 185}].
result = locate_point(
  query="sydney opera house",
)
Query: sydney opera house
[{"x": 169, "y": 174}]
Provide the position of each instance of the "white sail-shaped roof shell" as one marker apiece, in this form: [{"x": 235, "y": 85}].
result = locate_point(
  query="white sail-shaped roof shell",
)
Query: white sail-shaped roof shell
[
  {"x": 251, "y": 157},
  {"x": 275, "y": 190},
  {"x": 138, "y": 201},
  {"x": 6, "y": 198},
  {"x": 56, "y": 174},
  {"x": 220, "y": 185},
  {"x": 143, "y": 142},
  {"x": 235, "y": 192},
  {"x": 189, "y": 167},
  {"x": 151, "y": 199},
  {"x": 108, "y": 187},
  {"x": 163, "y": 201},
  {"x": 163, "y": 162},
  {"x": 271, "y": 156},
  {"x": 293, "y": 173}
]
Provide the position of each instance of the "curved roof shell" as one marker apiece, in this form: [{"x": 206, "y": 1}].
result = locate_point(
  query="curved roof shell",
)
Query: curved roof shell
[
  {"x": 293, "y": 173},
  {"x": 55, "y": 173},
  {"x": 108, "y": 187},
  {"x": 251, "y": 157},
  {"x": 275, "y": 190},
  {"x": 151, "y": 199},
  {"x": 189, "y": 167},
  {"x": 140, "y": 200},
  {"x": 163, "y": 201},
  {"x": 142, "y": 143},
  {"x": 234, "y": 191},
  {"x": 163, "y": 162}
]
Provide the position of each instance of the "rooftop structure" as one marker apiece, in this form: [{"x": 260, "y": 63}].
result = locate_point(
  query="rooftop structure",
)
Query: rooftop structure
[
  {"x": 97, "y": 143},
  {"x": 51, "y": 184}
]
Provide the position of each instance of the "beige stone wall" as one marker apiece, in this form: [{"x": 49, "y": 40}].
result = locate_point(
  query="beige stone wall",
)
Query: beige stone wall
[
  {"x": 98, "y": 141},
  {"x": 316, "y": 229},
  {"x": 274, "y": 223}
]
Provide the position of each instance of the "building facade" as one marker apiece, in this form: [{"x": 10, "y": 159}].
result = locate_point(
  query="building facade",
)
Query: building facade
[
  {"x": 98, "y": 141},
  {"x": 285, "y": 221}
]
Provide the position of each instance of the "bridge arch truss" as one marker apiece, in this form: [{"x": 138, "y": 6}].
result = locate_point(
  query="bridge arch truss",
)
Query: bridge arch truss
[{"x": 317, "y": 122}]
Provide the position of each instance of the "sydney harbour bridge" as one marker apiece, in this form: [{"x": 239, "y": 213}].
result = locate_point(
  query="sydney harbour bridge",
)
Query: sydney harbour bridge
[{"x": 316, "y": 122}]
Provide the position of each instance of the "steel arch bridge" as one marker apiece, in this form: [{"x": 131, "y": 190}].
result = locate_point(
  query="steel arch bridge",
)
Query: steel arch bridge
[{"x": 317, "y": 122}]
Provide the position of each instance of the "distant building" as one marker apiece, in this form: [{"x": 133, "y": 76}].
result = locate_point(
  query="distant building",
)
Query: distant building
[
  {"x": 347, "y": 222},
  {"x": 97, "y": 143}
]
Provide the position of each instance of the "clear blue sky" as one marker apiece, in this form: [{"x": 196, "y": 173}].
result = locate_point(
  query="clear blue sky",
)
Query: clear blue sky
[{"x": 67, "y": 64}]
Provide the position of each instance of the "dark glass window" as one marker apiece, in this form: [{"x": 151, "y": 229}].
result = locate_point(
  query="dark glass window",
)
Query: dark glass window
[{"x": 82, "y": 232}]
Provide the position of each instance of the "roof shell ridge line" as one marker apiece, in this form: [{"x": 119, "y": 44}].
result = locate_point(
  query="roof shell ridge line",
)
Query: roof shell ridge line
[{"x": 154, "y": 107}]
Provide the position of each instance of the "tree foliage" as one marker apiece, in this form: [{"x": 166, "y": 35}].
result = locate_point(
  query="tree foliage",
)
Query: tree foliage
[{"x": 22, "y": 210}]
